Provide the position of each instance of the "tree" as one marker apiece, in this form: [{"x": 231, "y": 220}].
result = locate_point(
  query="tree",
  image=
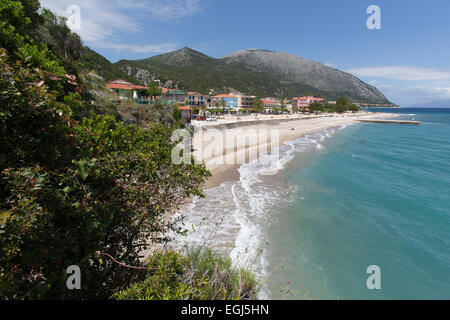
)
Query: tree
[
  {"x": 154, "y": 90},
  {"x": 342, "y": 101},
  {"x": 353, "y": 107},
  {"x": 340, "y": 108},
  {"x": 258, "y": 105},
  {"x": 18, "y": 43},
  {"x": 54, "y": 32},
  {"x": 31, "y": 10},
  {"x": 316, "y": 107}
]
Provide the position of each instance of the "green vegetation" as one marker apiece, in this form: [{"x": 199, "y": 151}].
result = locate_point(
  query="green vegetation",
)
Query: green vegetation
[
  {"x": 217, "y": 111},
  {"x": 342, "y": 101},
  {"x": 200, "y": 275},
  {"x": 153, "y": 90},
  {"x": 54, "y": 32},
  {"x": 316, "y": 107},
  {"x": 92, "y": 61},
  {"x": 342, "y": 105},
  {"x": 75, "y": 182},
  {"x": 258, "y": 106}
]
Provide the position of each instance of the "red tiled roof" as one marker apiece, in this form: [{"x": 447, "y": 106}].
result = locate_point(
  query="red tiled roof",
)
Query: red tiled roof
[
  {"x": 124, "y": 85},
  {"x": 306, "y": 98},
  {"x": 194, "y": 92},
  {"x": 270, "y": 101},
  {"x": 225, "y": 96}
]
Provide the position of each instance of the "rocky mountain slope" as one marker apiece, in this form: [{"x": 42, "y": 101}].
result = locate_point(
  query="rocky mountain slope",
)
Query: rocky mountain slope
[
  {"x": 292, "y": 69},
  {"x": 93, "y": 61}
]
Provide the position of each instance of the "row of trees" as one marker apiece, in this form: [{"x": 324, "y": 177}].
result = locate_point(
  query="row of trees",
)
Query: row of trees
[{"x": 342, "y": 105}]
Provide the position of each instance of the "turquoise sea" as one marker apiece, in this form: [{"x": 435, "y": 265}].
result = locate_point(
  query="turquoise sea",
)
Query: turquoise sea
[
  {"x": 341, "y": 200},
  {"x": 373, "y": 194}
]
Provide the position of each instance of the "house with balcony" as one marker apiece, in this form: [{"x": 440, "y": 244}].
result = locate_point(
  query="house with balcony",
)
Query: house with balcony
[
  {"x": 245, "y": 101},
  {"x": 271, "y": 103},
  {"x": 227, "y": 101},
  {"x": 195, "y": 99}
]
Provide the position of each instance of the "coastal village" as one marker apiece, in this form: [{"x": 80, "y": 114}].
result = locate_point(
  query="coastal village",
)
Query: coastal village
[{"x": 198, "y": 106}]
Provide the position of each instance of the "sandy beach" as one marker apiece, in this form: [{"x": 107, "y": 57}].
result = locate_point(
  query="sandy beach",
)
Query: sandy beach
[
  {"x": 286, "y": 128},
  {"x": 226, "y": 220}
]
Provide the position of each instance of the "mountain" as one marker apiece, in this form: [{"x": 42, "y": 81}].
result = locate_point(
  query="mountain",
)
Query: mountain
[
  {"x": 192, "y": 70},
  {"x": 260, "y": 72},
  {"x": 434, "y": 104},
  {"x": 91, "y": 60},
  {"x": 292, "y": 69}
]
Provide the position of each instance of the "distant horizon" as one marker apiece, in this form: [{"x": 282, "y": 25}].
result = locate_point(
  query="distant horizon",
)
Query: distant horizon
[
  {"x": 419, "y": 107},
  {"x": 413, "y": 107}
]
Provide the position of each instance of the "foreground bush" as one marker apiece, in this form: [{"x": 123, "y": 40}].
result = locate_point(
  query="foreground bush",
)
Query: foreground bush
[
  {"x": 199, "y": 275},
  {"x": 70, "y": 189},
  {"x": 79, "y": 189},
  {"x": 73, "y": 186}
]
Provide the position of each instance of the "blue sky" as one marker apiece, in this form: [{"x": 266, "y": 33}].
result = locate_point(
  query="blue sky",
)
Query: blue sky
[{"x": 408, "y": 59}]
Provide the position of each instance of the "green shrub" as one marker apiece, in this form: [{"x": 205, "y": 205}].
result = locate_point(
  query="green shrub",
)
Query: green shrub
[
  {"x": 163, "y": 283},
  {"x": 71, "y": 189},
  {"x": 200, "y": 275},
  {"x": 34, "y": 128}
]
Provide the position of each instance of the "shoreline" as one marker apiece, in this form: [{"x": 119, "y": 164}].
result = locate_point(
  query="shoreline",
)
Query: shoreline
[
  {"x": 218, "y": 221},
  {"x": 221, "y": 173}
]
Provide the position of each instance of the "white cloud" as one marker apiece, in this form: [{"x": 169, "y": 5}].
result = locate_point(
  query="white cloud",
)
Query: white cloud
[
  {"x": 99, "y": 19},
  {"x": 166, "y": 10},
  {"x": 402, "y": 73},
  {"x": 412, "y": 95},
  {"x": 103, "y": 21},
  {"x": 445, "y": 91}
]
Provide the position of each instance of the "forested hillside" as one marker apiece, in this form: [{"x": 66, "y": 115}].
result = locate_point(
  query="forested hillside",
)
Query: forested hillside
[{"x": 80, "y": 188}]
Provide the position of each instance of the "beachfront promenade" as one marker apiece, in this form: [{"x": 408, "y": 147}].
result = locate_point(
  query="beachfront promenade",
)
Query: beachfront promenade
[
  {"x": 267, "y": 118},
  {"x": 249, "y": 120}
]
